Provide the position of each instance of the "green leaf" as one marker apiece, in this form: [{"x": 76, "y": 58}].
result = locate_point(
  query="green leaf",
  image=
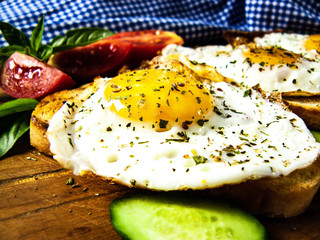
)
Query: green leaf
[
  {"x": 19, "y": 41},
  {"x": 31, "y": 52},
  {"x": 79, "y": 37},
  {"x": 11, "y": 135},
  {"x": 82, "y": 36},
  {"x": 44, "y": 52},
  {"x": 15, "y": 121},
  {"x": 7, "y": 51},
  {"x": 7, "y": 121},
  {"x": 13, "y": 35},
  {"x": 17, "y": 105},
  {"x": 58, "y": 41},
  {"x": 36, "y": 36},
  {"x": 2, "y": 60}
]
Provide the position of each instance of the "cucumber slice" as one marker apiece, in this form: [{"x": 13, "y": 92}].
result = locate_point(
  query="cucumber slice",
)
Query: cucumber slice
[{"x": 176, "y": 216}]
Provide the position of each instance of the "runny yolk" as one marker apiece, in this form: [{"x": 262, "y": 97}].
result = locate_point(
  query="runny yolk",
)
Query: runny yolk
[
  {"x": 271, "y": 57},
  {"x": 313, "y": 42},
  {"x": 159, "y": 97}
]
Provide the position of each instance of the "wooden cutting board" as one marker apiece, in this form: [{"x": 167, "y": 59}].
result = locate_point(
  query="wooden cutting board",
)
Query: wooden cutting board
[{"x": 36, "y": 203}]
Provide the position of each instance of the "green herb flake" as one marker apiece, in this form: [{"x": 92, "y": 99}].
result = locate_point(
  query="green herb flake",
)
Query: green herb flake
[
  {"x": 194, "y": 62},
  {"x": 201, "y": 122},
  {"x": 217, "y": 110},
  {"x": 247, "y": 93},
  {"x": 70, "y": 142},
  {"x": 268, "y": 124},
  {"x": 174, "y": 140},
  {"x": 163, "y": 123},
  {"x": 79, "y": 129},
  {"x": 70, "y": 181},
  {"x": 199, "y": 159},
  {"x": 133, "y": 182}
]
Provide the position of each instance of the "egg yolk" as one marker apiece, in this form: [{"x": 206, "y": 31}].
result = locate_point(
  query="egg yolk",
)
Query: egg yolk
[
  {"x": 271, "y": 57},
  {"x": 313, "y": 42},
  {"x": 159, "y": 97}
]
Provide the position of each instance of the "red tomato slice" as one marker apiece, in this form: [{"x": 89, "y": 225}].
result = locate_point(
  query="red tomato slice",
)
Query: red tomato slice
[
  {"x": 23, "y": 76},
  {"x": 146, "y": 43},
  {"x": 97, "y": 59}
]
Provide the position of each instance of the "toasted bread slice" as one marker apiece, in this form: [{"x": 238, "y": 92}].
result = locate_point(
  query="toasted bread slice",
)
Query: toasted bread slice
[
  {"x": 308, "y": 108},
  {"x": 47, "y": 108},
  {"x": 284, "y": 196}
]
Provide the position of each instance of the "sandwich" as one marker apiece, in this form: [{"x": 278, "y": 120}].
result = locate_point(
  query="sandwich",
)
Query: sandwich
[
  {"x": 281, "y": 62},
  {"x": 169, "y": 127}
]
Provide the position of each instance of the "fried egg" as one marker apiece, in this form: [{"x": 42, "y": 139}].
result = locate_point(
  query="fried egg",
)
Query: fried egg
[
  {"x": 164, "y": 130},
  {"x": 274, "y": 69},
  {"x": 306, "y": 45}
]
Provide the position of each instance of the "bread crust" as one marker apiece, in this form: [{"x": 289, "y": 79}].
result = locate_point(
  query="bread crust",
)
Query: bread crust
[
  {"x": 308, "y": 108},
  {"x": 285, "y": 196},
  {"x": 47, "y": 107}
]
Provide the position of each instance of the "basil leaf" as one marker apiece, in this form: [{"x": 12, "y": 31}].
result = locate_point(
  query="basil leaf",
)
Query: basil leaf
[
  {"x": 36, "y": 35},
  {"x": 44, "y": 52},
  {"x": 58, "y": 41},
  {"x": 7, "y": 51},
  {"x": 6, "y": 122},
  {"x": 15, "y": 121},
  {"x": 2, "y": 60},
  {"x": 79, "y": 37},
  {"x": 13, "y": 35},
  {"x": 17, "y": 105},
  {"x": 31, "y": 52},
  {"x": 11, "y": 135},
  {"x": 84, "y": 35}
]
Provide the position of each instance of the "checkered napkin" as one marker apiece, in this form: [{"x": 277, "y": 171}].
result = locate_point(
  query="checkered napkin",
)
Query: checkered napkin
[{"x": 197, "y": 21}]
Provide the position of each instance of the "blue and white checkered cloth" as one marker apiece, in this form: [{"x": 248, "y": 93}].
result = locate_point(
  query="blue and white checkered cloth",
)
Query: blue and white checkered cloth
[{"x": 197, "y": 21}]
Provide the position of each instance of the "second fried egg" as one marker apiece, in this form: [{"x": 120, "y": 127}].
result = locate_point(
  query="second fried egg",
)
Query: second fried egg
[{"x": 274, "y": 69}]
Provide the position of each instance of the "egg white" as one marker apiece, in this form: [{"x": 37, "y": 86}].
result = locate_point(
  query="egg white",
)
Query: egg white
[
  {"x": 292, "y": 42},
  {"x": 246, "y": 137},
  {"x": 231, "y": 63}
]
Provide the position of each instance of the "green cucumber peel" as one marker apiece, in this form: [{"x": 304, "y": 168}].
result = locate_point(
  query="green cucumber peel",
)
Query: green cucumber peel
[{"x": 178, "y": 216}]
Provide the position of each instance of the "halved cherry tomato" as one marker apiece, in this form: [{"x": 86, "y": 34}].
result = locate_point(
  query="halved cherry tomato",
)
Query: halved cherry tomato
[
  {"x": 23, "y": 76},
  {"x": 146, "y": 43},
  {"x": 96, "y": 59}
]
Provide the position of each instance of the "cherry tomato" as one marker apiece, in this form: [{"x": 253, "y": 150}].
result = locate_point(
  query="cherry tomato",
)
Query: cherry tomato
[
  {"x": 97, "y": 59},
  {"x": 23, "y": 76},
  {"x": 146, "y": 43}
]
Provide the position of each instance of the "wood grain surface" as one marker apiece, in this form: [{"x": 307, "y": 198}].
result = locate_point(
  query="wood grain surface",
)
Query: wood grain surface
[{"x": 36, "y": 203}]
